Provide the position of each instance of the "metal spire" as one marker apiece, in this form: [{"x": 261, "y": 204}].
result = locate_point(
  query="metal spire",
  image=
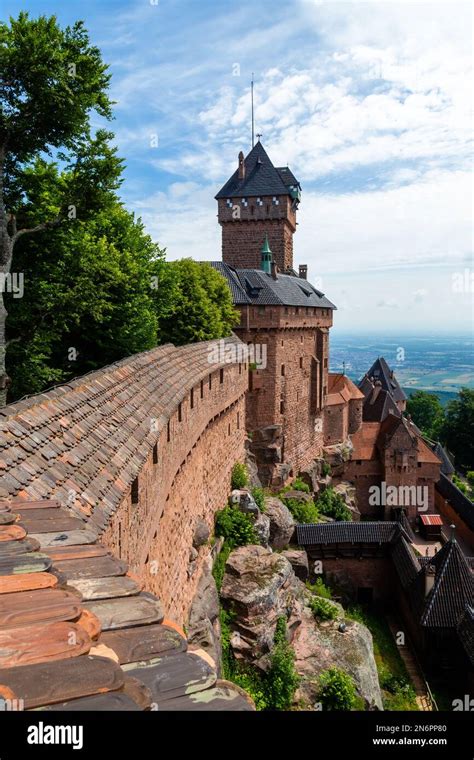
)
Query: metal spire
[{"x": 253, "y": 120}]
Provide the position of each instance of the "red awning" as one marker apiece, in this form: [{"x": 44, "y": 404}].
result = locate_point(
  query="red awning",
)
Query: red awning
[{"x": 431, "y": 520}]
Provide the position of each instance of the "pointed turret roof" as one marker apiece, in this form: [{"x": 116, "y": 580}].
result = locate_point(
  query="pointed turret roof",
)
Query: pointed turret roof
[
  {"x": 261, "y": 178},
  {"x": 382, "y": 372}
]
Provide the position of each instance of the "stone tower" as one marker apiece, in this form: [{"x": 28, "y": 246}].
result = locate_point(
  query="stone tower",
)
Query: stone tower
[{"x": 259, "y": 200}]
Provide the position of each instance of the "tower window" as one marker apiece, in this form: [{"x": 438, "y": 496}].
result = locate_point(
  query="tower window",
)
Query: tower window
[
  {"x": 282, "y": 407},
  {"x": 180, "y": 413},
  {"x": 155, "y": 454},
  {"x": 135, "y": 491},
  {"x": 192, "y": 398},
  {"x": 202, "y": 389},
  {"x": 168, "y": 432},
  {"x": 221, "y": 375},
  {"x": 238, "y": 420},
  {"x": 261, "y": 309},
  {"x": 283, "y": 370},
  {"x": 210, "y": 382},
  {"x": 301, "y": 362}
]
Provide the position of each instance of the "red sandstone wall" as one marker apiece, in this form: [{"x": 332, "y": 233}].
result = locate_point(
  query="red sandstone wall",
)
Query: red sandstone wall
[
  {"x": 352, "y": 573},
  {"x": 190, "y": 481},
  {"x": 444, "y": 508},
  {"x": 243, "y": 237},
  {"x": 283, "y": 392}
]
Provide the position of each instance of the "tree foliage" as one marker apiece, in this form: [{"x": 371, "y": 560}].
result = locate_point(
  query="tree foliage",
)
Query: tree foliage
[
  {"x": 331, "y": 504},
  {"x": 337, "y": 690},
  {"x": 427, "y": 413},
  {"x": 458, "y": 428}
]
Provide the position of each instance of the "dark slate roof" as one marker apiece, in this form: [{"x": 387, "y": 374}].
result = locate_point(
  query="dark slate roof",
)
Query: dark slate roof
[
  {"x": 458, "y": 500},
  {"x": 51, "y": 588},
  {"x": 381, "y": 371},
  {"x": 446, "y": 465},
  {"x": 405, "y": 560},
  {"x": 378, "y": 408},
  {"x": 346, "y": 533},
  {"x": 453, "y": 588},
  {"x": 254, "y": 286},
  {"x": 261, "y": 178},
  {"x": 466, "y": 632}
]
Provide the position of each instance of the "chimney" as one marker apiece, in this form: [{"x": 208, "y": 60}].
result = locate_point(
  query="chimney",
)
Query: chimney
[
  {"x": 241, "y": 166},
  {"x": 430, "y": 576},
  {"x": 274, "y": 269},
  {"x": 375, "y": 391},
  {"x": 303, "y": 271}
]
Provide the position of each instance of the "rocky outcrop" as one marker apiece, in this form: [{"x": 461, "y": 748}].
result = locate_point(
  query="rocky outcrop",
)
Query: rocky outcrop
[
  {"x": 259, "y": 586},
  {"x": 282, "y": 525},
  {"x": 203, "y": 623},
  {"x": 337, "y": 455},
  {"x": 201, "y": 534},
  {"x": 298, "y": 560},
  {"x": 243, "y": 499},
  {"x": 319, "y": 646},
  {"x": 348, "y": 493}
]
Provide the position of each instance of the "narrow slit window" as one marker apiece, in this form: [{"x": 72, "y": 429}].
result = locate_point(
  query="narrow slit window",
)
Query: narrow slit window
[
  {"x": 155, "y": 454},
  {"x": 135, "y": 491}
]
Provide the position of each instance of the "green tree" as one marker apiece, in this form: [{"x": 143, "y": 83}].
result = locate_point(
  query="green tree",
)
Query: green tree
[
  {"x": 427, "y": 413},
  {"x": 458, "y": 429},
  {"x": 337, "y": 690},
  {"x": 87, "y": 301},
  {"x": 202, "y": 307},
  {"x": 52, "y": 79}
]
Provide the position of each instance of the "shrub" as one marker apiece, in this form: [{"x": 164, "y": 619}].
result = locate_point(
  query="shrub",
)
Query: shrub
[
  {"x": 323, "y": 609},
  {"x": 302, "y": 511},
  {"x": 218, "y": 570},
  {"x": 235, "y": 527},
  {"x": 325, "y": 469},
  {"x": 319, "y": 588},
  {"x": 300, "y": 485},
  {"x": 332, "y": 505},
  {"x": 259, "y": 496},
  {"x": 337, "y": 690},
  {"x": 282, "y": 679},
  {"x": 239, "y": 477},
  {"x": 470, "y": 478}
]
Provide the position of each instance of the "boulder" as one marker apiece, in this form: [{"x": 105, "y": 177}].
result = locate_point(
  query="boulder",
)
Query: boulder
[
  {"x": 298, "y": 560},
  {"x": 300, "y": 496},
  {"x": 312, "y": 474},
  {"x": 201, "y": 534},
  {"x": 203, "y": 623},
  {"x": 282, "y": 524},
  {"x": 319, "y": 647},
  {"x": 348, "y": 493},
  {"x": 259, "y": 586},
  {"x": 243, "y": 499},
  {"x": 262, "y": 529},
  {"x": 252, "y": 469}
]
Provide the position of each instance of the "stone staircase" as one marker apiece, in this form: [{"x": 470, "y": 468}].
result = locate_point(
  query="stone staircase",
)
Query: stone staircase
[{"x": 424, "y": 698}]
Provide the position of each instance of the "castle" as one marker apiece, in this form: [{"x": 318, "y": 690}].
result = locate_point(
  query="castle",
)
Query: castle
[{"x": 111, "y": 482}]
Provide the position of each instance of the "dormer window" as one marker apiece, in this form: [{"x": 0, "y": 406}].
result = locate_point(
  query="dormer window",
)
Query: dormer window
[
  {"x": 244, "y": 202},
  {"x": 259, "y": 202},
  {"x": 275, "y": 201},
  {"x": 229, "y": 203}
]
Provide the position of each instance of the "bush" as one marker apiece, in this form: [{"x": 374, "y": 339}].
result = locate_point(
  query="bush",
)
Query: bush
[
  {"x": 282, "y": 679},
  {"x": 470, "y": 478},
  {"x": 259, "y": 497},
  {"x": 300, "y": 485},
  {"x": 302, "y": 511},
  {"x": 319, "y": 588},
  {"x": 235, "y": 527},
  {"x": 325, "y": 469},
  {"x": 323, "y": 609},
  {"x": 218, "y": 570},
  {"x": 337, "y": 690},
  {"x": 239, "y": 477},
  {"x": 332, "y": 505}
]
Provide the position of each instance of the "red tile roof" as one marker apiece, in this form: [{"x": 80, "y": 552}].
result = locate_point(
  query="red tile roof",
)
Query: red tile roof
[
  {"x": 81, "y": 634},
  {"x": 341, "y": 389}
]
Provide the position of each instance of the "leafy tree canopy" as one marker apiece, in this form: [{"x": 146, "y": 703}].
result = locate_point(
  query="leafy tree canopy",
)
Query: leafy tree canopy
[{"x": 427, "y": 413}]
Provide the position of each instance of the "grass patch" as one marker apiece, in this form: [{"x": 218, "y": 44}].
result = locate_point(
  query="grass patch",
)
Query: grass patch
[{"x": 397, "y": 690}]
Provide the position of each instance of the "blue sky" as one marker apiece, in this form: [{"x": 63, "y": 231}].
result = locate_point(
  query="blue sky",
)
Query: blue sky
[{"x": 368, "y": 103}]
